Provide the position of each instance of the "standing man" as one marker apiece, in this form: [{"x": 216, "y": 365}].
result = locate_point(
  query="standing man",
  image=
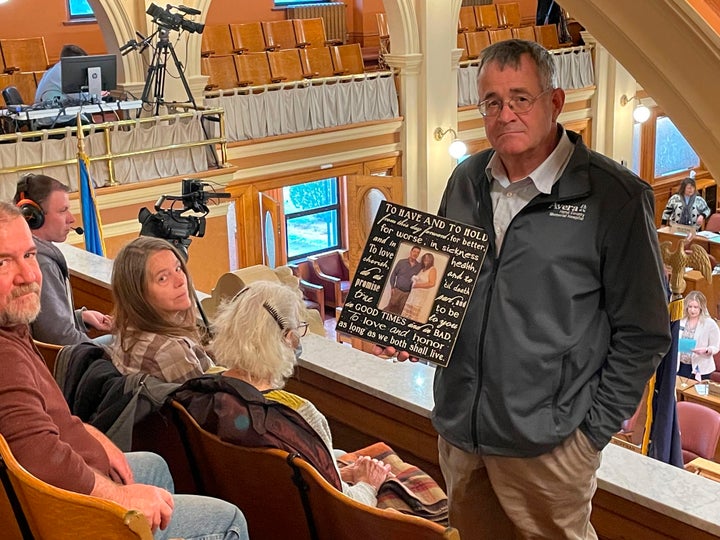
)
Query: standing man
[
  {"x": 57, "y": 447},
  {"x": 45, "y": 204},
  {"x": 568, "y": 319},
  {"x": 401, "y": 281}
]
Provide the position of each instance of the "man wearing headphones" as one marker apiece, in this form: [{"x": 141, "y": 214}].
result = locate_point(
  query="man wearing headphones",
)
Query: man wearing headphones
[{"x": 45, "y": 204}]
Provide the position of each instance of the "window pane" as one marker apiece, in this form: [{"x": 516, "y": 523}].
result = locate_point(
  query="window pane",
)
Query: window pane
[
  {"x": 312, "y": 233},
  {"x": 672, "y": 152},
  {"x": 80, "y": 8},
  {"x": 303, "y": 197}
]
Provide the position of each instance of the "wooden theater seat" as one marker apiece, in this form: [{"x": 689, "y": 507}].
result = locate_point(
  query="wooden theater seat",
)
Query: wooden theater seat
[
  {"x": 267, "y": 483},
  {"x": 348, "y": 59},
  {"x": 248, "y": 37},
  {"x": 285, "y": 65},
  {"x": 55, "y": 513},
  {"x": 466, "y": 20},
  {"x": 253, "y": 68},
  {"x": 523, "y": 32},
  {"x": 221, "y": 72},
  {"x": 486, "y": 17},
  {"x": 257, "y": 480},
  {"x": 279, "y": 34},
  {"x": 500, "y": 34},
  {"x": 25, "y": 83},
  {"x": 475, "y": 43},
  {"x": 547, "y": 36},
  {"x": 508, "y": 15},
  {"x": 311, "y": 33},
  {"x": 49, "y": 352},
  {"x": 339, "y": 517},
  {"x": 216, "y": 40},
  {"x": 318, "y": 62},
  {"x": 24, "y": 54}
]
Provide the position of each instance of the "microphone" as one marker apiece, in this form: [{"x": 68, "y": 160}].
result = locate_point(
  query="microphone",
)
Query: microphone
[
  {"x": 78, "y": 230},
  {"x": 189, "y": 10}
]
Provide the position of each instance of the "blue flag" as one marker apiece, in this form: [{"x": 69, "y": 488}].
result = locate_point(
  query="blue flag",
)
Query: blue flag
[
  {"x": 94, "y": 241},
  {"x": 664, "y": 431}
]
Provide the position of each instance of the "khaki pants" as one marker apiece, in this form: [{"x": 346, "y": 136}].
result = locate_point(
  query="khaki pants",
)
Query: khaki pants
[
  {"x": 498, "y": 498},
  {"x": 396, "y": 304}
]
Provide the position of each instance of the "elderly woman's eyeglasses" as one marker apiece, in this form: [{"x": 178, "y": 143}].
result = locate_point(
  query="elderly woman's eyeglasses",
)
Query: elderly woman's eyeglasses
[
  {"x": 519, "y": 104},
  {"x": 302, "y": 329}
]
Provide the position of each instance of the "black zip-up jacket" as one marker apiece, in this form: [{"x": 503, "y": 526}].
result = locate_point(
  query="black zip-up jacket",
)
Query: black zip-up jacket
[{"x": 567, "y": 323}]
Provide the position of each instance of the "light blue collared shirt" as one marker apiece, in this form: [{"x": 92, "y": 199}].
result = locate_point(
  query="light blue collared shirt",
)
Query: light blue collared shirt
[{"x": 508, "y": 198}]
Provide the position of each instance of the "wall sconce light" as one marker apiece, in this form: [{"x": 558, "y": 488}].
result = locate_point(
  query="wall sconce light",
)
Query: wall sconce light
[
  {"x": 457, "y": 148},
  {"x": 641, "y": 113}
]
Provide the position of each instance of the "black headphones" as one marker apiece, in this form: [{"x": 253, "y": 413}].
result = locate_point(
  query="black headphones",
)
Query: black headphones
[{"x": 31, "y": 211}]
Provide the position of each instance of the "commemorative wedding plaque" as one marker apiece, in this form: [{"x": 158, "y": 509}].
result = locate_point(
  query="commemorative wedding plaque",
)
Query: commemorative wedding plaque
[{"x": 413, "y": 282}]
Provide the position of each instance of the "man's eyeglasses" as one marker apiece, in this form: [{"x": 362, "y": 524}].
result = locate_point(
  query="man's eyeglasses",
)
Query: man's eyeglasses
[{"x": 518, "y": 104}]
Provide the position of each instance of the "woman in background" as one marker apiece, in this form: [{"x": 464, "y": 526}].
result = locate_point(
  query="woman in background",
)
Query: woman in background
[
  {"x": 686, "y": 207},
  {"x": 419, "y": 301},
  {"x": 699, "y": 326},
  {"x": 155, "y": 322}
]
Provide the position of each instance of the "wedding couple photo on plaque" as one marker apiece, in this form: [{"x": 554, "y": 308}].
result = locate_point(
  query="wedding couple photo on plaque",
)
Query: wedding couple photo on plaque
[{"x": 413, "y": 282}]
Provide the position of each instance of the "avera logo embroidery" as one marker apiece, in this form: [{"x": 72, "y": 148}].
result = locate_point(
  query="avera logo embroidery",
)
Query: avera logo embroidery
[{"x": 568, "y": 211}]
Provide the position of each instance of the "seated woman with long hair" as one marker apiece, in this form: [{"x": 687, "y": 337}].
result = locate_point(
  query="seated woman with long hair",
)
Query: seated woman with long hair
[
  {"x": 155, "y": 321},
  {"x": 257, "y": 338}
]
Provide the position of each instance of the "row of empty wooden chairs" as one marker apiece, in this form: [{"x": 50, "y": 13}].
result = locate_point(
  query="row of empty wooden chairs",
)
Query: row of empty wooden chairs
[
  {"x": 488, "y": 16},
  {"x": 473, "y": 43},
  {"x": 264, "y": 36},
  {"x": 30, "y": 508},
  {"x": 269, "y": 486},
  {"x": 260, "y": 68}
]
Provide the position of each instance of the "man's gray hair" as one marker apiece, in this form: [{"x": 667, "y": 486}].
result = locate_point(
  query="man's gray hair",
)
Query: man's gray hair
[
  {"x": 508, "y": 53},
  {"x": 9, "y": 211}
]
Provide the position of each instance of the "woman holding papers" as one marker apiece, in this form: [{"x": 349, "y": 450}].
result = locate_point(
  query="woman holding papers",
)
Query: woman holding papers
[
  {"x": 699, "y": 339},
  {"x": 686, "y": 207}
]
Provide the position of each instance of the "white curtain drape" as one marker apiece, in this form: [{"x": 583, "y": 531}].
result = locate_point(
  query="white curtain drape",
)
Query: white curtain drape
[
  {"x": 574, "y": 69},
  {"x": 164, "y": 131},
  {"x": 306, "y": 106}
]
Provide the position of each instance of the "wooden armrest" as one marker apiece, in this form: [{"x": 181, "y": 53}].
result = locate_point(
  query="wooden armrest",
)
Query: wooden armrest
[
  {"x": 207, "y": 53},
  {"x": 331, "y": 279},
  {"x": 329, "y": 42},
  {"x": 240, "y": 50},
  {"x": 311, "y": 75},
  {"x": 462, "y": 29},
  {"x": 11, "y": 69},
  {"x": 278, "y": 79},
  {"x": 302, "y": 44},
  {"x": 271, "y": 48},
  {"x": 211, "y": 87},
  {"x": 245, "y": 83}
]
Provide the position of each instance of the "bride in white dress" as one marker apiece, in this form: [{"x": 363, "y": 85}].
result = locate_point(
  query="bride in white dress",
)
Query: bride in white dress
[{"x": 420, "y": 300}]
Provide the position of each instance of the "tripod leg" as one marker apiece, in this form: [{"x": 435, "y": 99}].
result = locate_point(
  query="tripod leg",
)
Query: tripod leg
[
  {"x": 151, "y": 76},
  {"x": 181, "y": 72},
  {"x": 160, "y": 81}
]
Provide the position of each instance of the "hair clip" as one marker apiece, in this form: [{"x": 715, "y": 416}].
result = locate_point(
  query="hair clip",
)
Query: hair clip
[{"x": 282, "y": 323}]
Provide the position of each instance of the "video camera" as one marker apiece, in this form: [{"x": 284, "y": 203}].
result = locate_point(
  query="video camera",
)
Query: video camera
[
  {"x": 165, "y": 18},
  {"x": 170, "y": 224}
]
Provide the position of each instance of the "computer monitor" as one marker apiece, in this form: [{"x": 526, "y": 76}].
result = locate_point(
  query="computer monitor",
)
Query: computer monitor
[{"x": 88, "y": 75}]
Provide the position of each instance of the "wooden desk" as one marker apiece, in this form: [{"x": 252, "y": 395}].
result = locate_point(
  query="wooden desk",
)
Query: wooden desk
[
  {"x": 682, "y": 384},
  {"x": 704, "y": 467},
  {"x": 711, "y": 401}
]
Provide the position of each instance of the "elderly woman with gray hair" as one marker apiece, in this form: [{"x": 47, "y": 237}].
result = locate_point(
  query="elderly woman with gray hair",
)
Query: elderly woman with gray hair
[{"x": 257, "y": 337}]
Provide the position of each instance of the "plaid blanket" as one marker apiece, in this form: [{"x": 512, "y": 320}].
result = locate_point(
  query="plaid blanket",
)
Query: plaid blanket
[{"x": 412, "y": 491}]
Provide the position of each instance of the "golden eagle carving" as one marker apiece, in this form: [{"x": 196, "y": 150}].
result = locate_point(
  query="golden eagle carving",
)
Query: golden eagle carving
[{"x": 680, "y": 259}]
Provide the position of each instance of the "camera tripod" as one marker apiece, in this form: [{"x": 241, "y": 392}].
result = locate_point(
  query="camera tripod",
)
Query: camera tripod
[{"x": 158, "y": 70}]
